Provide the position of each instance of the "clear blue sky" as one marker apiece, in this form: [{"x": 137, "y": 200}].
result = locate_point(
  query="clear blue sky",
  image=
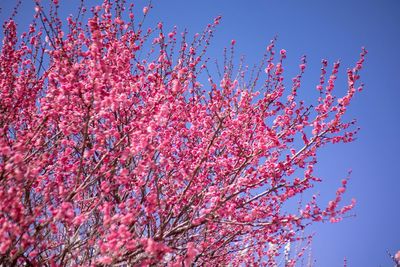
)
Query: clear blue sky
[{"x": 332, "y": 30}]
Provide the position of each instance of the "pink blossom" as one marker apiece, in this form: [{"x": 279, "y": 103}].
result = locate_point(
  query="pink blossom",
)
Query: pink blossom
[
  {"x": 341, "y": 190},
  {"x": 397, "y": 256},
  {"x": 190, "y": 254},
  {"x": 105, "y": 260},
  {"x": 119, "y": 21}
]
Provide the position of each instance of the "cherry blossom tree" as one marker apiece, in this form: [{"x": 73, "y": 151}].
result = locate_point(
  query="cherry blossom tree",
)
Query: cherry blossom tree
[{"x": 122, "y": 146}]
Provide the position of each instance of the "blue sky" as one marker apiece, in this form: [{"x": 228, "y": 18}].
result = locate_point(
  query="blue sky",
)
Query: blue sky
[{"x": 331, "y": 30}]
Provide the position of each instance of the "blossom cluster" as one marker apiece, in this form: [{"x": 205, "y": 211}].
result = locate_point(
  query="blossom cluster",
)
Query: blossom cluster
[{"x": 118, "y": 147}]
